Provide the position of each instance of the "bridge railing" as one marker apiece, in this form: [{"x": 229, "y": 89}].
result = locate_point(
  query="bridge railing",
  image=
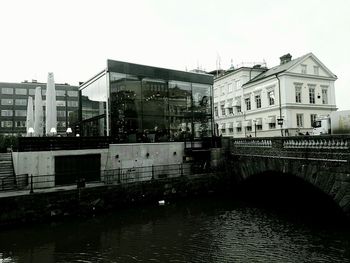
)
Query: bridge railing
[{"x": 307, "y": 147}]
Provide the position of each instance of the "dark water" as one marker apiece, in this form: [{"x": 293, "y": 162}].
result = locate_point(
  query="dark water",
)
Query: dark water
[{"x": 210, "y": 229}]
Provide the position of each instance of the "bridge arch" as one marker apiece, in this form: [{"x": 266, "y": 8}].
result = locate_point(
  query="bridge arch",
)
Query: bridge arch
[{"x": 328, "y": 171}]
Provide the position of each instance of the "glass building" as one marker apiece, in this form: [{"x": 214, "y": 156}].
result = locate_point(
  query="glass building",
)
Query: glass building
[{"x": 137, "y": 103}]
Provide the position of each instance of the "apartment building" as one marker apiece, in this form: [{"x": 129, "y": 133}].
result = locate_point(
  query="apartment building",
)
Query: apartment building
[
  {"x": 13, "y": 106},
  {"x": 281, "y": 101}
]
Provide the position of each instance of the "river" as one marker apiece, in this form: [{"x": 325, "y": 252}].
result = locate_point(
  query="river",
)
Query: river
[{"x": 206, "y": 229}]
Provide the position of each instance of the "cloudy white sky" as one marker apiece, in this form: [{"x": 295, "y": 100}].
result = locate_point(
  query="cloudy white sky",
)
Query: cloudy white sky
[{"x": 73, "y": 38}]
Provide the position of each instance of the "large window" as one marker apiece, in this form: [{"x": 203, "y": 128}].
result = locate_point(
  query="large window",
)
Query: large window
[
  {"x": 20, "y": 113},
  {"x": 312, "y": 119},
  {"x": 21, "y": 91},
  {"x": 312, "y": 95},
  {"x": 60, "y": 93},
  {"x": 222, "y": 107},
  {"x": 6, "y": 113},
  {"x": 72, "y": 103},
  {"x": 324, "y": 96},
  {"x": 247, "y": 103},
  {"x": 93, "y": 112},
  {"x": 6, "y": 101},
  {"x": 158, "y": 110},
  {"x": 7, "y": 91},
  {"x": 298, "y": 94},
  {"x": 258, "y": 101},
  {"x": 271, "y": 97},
  {"x": 300, "y": 120},
  {"x": 21, "y": 102},
  {"x": 6, "y": 124},
  {"x": 72, "y": 93}
]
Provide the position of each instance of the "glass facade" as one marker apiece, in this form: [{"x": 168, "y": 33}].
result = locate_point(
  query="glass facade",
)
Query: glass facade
[{"x": 147, "y": 104}]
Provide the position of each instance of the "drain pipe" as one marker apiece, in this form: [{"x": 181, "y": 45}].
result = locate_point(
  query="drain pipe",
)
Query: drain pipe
[{"x": 280, "y": 120}]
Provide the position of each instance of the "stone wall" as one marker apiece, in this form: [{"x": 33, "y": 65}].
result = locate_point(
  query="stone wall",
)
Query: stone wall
[
  {"x": 47, "y": 206},
  {"x": 325, "y": 165}
]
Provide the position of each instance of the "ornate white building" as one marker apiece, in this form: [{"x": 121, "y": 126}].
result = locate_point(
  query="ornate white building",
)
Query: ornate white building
[{"x": 283, "y": 100}]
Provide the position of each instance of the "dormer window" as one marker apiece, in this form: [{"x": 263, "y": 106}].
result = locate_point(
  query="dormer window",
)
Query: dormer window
[
  {"x": 303, "y": 69},
  {"x": 316, "y": 70}
]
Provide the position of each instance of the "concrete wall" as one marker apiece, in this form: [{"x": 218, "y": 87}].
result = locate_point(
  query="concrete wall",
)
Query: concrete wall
[{"x": 42, "y": 164}]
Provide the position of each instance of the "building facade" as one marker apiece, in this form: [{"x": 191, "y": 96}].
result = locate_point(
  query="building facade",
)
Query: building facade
[
  {"x": 281, "y": 101},
  {"x": 137, "y": 103},
  {"x": 13, "y": 106}
]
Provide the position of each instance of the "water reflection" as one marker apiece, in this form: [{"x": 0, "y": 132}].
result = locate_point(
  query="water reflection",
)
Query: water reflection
[{"x": 203, "y": 230}]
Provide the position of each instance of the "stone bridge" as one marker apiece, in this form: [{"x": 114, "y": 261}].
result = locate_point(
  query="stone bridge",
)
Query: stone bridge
[{"x": 323, "y": 161}]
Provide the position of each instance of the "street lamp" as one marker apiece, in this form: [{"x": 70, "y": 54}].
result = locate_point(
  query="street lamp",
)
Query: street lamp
[
  {"x": 31, "y": 131},
  {"x": 280, "y": 122},
  {"x": 53, "y": 131},
  {"x": 69, "y": 131},
  {"x": 255, "y": 121}
]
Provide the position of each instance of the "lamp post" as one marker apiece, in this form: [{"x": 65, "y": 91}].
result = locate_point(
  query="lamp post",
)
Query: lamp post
[
  {"x": 31, "y": 131},
  {"x": 69, "y": 131},
  {"x": 53, "y": 131},
  {"x": 280, "y": 122},
  {"x": 255, "y": 121}
]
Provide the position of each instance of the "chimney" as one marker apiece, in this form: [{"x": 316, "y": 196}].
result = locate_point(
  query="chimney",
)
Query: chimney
[{"x": 285, "y": 59}]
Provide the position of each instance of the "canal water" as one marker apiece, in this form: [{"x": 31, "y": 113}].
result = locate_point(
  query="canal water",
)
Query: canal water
[{"x": 202, "y": 229}]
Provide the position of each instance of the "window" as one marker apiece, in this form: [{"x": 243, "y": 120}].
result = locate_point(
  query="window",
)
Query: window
[
  {"x": 247, "y": 103},
  {"x": 7, "y": 90},
  {"x": 72, "y": 93},
  {"x": 60, "y": 103},
  {"x": 324, "y": 96},
  {"x": 222, "y": 107},
  {"x": 20, "y": 124},
  {"x": 6, "y": 124},
  {"x": 6, "y": 113},
  {"x": 271, "y": 97},
  {"x": 230, "y": 130},
  {"x": 32, "y": 92},
  {"x": 222, "y": 90},
  {"x": 249, "y": 128},
  {"x": 239, "y": 129},
  {"x": 61, "y": 124},
  {"x": 6, "y": 101},
  {"x": 216, "y": 111},
  {"x": 238, "y": 84},
  {"x": 21, "y": 102},
  {"x": 258, "y": 101},
  {"x": 230, "y": 110},
  {"x": 316, "y": 70},
  {"x": 312, "y": 95},
  {"x": 230, "y": 87},
  {"x": 20, "y": 113},
  {"x": 60, "y": 93},
  {"x": 72, "y": 103},
  {"x": 303, "y": 69},
  {"x": 300, "y": 120},
  {"x": 298, "y": 94},
  {"x": 312, "y": 119},
  {"x": 21, "y": 91},
  {"x": 239, "y": 109},
  {"x": 259, "y": 127},
  {"x": 61, "y": 113},
  {"x": 272, "y": 125}
]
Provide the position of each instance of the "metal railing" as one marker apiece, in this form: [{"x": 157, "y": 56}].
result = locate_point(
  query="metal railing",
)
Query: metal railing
[{"x": 119, "y": 176}]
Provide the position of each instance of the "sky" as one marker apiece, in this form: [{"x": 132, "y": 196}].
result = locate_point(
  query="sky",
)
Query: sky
[{"x": 74, "y": 38}]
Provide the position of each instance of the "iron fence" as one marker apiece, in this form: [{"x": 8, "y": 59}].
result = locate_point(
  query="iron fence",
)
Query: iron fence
[{"x": 118, "y": 176}]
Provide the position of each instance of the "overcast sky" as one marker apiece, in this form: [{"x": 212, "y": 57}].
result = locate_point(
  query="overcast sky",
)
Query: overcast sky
[{"x": 73, "y": 38}]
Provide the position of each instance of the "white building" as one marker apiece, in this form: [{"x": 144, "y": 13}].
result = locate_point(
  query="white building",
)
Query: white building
[{"x": 283, "y": 100}]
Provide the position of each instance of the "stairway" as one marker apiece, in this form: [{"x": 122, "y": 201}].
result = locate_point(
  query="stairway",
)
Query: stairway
[{"x": 7, "y": 176}]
